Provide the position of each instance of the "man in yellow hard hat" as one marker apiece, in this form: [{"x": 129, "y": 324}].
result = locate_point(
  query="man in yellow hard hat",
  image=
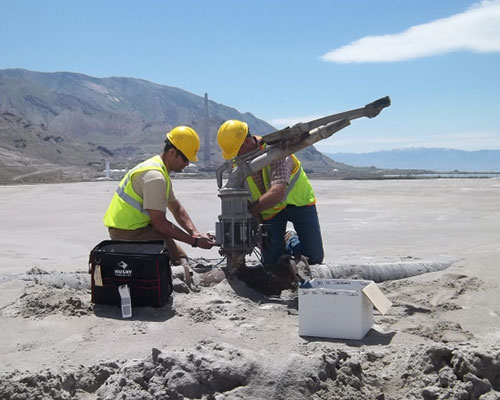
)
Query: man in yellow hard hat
[
  {"x": 138, "y": 208},
  {"x": 280, "y": 192}
]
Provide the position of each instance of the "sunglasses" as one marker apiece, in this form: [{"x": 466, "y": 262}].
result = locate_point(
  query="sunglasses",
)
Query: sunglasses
[{"x": 184, "y": 158}]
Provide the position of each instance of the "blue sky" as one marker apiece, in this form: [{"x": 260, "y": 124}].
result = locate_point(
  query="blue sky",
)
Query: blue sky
[{"x": 287, "y": 61}]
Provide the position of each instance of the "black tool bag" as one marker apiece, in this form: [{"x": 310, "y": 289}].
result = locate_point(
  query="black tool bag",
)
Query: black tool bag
[{"x": 142, "y": 265}]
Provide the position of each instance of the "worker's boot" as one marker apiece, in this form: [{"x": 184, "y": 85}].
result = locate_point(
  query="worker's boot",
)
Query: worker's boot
[
  {"x": 179, "y": 257},
  {"x": 292, "y": 243}
]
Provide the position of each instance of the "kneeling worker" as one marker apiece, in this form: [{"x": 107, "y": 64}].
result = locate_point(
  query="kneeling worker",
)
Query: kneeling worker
[
  {"x": 138, "y": 208},
  {"x": 280, "y": 192}
]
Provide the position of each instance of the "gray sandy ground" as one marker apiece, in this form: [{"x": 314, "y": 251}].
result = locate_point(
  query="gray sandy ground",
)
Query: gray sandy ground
[{"x": 438, "y": 341}]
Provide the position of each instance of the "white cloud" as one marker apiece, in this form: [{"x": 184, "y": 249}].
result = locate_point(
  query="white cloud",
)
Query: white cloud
[{"x": 477, "y": 30}]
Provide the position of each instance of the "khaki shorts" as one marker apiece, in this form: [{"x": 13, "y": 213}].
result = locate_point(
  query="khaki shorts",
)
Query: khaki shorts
[{"x": 149, "y": 233}]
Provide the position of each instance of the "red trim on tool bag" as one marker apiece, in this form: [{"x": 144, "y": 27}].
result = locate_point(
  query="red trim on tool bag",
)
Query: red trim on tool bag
[{"x": 158, "y": 279}]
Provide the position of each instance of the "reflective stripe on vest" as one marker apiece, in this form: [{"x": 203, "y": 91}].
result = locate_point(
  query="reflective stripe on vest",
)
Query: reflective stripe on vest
[
  {"x": 126, "y": 208},
  {"x": 299, "y": 191}
]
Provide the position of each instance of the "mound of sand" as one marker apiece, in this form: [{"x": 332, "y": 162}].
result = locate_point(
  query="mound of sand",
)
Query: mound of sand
[{"x": 219, "y": 371}]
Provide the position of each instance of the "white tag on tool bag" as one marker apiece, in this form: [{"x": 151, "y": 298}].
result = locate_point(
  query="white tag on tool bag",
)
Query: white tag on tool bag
[
  {"x": 98, "y": 276},
  {"x": 126, "y": 302}
]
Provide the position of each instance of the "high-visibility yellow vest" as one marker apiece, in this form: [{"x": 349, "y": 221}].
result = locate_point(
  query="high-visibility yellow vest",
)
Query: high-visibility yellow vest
[
  {"x": 298, "y": 193},
  {"x": 125, "y": 210}
]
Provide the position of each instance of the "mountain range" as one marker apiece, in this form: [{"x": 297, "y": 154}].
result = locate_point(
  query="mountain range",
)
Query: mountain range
[
  {"x": 435, "y": 159},
  {"x": 49, "y": 120},
  {"x": 67, "y": 125}
]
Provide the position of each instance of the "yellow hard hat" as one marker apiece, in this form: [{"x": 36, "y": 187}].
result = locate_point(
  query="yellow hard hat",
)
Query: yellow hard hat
[
  {"x": 231, "y": 136},
  {"x": 186, "y": 140}
]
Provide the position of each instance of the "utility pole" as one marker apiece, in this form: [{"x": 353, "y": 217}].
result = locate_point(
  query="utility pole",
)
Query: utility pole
[{"x": 206, "y": 158}]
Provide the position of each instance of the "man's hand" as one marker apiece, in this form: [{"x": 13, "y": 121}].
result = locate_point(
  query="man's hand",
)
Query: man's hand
[
  {"x": 206, "y": 235},
  {"x": 204, "y": 241}
]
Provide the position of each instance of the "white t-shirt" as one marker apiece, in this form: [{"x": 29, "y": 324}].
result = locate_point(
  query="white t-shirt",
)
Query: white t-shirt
[{"x": 151, "y": 186}]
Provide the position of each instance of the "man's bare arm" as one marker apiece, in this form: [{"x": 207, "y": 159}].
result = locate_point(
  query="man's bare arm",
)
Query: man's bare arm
[
  {"x": 273, "y": 196},
  {"x": 168, "y": 229},
  {"x": 182, "y": 217}
]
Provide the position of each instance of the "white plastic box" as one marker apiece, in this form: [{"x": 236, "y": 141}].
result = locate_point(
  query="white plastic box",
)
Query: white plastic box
[{"x": 339, "y": 308}]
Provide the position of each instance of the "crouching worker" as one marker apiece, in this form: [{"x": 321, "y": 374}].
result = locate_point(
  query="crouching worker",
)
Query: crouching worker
[
  {"x": 280, "y": 192},
  {"x": 138, "y": 207}
]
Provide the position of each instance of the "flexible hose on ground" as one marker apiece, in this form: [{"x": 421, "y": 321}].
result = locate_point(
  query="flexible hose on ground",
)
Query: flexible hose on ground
[{"x": 377, "y": 272}]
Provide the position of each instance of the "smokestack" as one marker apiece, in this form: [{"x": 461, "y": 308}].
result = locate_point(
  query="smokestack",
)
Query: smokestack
[{"x": 206, "y": 158}]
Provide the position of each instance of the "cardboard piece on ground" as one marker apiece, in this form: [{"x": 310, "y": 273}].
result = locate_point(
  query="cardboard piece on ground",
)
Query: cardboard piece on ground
[{"x": 379, "y": 301}]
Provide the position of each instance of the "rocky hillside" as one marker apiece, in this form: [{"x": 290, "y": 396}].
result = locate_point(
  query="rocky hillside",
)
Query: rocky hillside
[
  {"x": 70, "y": 119},
  {"x": 31, "y": 150}
]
